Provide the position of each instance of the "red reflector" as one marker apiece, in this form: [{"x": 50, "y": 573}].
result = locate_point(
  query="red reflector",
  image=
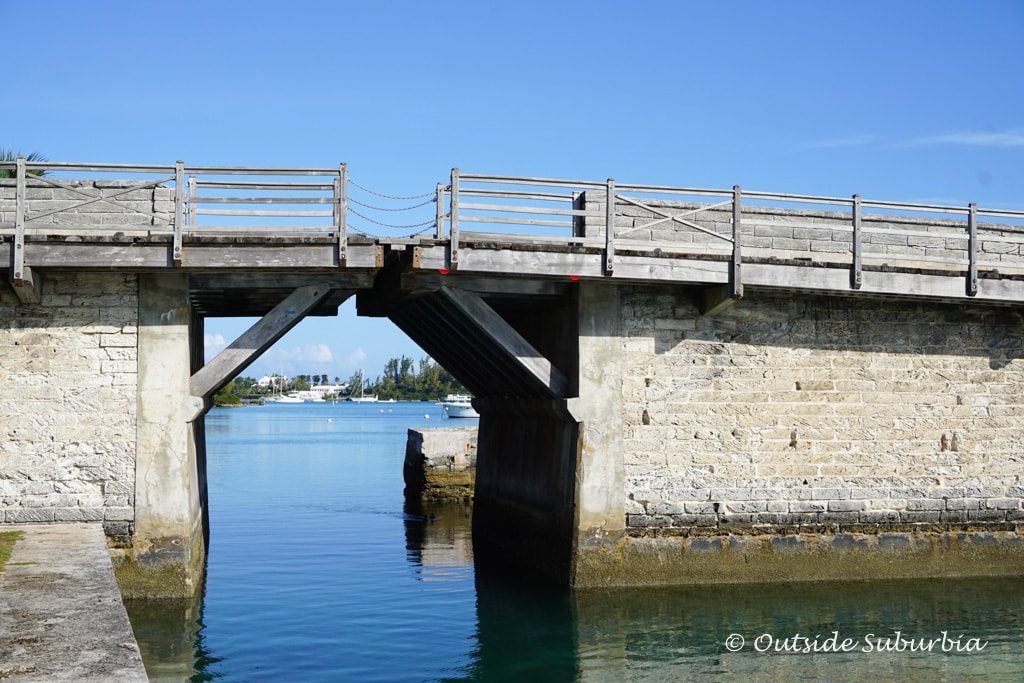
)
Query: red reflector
[
  {"x": 574, "y": 278},
  {"x": 443, "y": 271}
]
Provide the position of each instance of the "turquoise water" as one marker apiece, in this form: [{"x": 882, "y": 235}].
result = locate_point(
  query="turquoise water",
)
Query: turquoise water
[{"x": 318, "y": 572}]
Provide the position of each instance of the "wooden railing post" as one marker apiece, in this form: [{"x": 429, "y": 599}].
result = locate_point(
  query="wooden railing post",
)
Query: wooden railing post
[
  {"x": 453, "y": 231},
  {"x": 18, "y": 255},
  {"x": 609, "y": 228},
  {"x": 341, "y": 213},
  {"x": 735, "y": 274},
  {"x": 439, "y": 212},
  {"x": 179, "y": 212},
  {"x": 856, "y": 276},
  {"x": 972, "y": 249},
  {"x": 191, "y": 207}
]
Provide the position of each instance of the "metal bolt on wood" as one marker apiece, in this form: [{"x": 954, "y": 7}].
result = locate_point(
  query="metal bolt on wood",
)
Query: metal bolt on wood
[
  {"x": 341, "y": 213},
  {"x": 972, "y": 249},
  {"x": 735, "y": 275},
  {"x": 609, "y": 227},
  {"x": 856, "y": 274},
  {"x": 18, "y": 265},
  {"x": 179, "y": 212},
  {"x": 453, "y": 230}
]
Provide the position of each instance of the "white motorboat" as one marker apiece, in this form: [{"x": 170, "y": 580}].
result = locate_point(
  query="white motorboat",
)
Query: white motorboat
[
  {"x": 459, "y": 405},
  {"x": 287, "y": 398}
]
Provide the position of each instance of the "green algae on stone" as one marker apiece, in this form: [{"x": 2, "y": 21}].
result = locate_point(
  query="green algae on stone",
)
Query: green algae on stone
[{"x": 7, "y": 541}]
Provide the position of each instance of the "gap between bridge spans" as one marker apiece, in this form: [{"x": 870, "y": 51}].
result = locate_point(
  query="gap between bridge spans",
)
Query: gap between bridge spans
[
  {"x": 238, "y": 355},
  {"x": 242, "y": 352}
]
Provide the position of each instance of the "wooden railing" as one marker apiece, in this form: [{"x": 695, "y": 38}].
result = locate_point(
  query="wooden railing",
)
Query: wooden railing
[
  {"x": 571, "y": 212},
  {"x": 200, "y": 200},
  {"x": 666, "y": 221}
]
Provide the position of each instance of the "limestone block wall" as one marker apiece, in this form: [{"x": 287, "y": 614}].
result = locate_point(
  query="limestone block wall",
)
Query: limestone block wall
[
  {"x": 822, "y": 235},
  {"x": 67, "y": 402},
  {"x": 147, "y": 209},
  {"x": 811, "y": 413}
]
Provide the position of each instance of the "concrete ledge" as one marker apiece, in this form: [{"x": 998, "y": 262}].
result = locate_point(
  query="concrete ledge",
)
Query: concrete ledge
[
  {"x": 631, "y": 561},
  {"x": 440, "y": 464},
  {"x": 61, "y": 615}
]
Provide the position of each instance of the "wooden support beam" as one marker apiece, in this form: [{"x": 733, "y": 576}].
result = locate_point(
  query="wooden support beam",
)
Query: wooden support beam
[
  {"x": 257, "y": 339},
  {"x": 494, "y": 327},
  {"x": 28, "y": 287}
]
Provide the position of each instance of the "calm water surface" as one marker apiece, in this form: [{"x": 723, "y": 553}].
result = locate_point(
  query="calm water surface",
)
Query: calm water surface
[{"x": 318, "y": 572}]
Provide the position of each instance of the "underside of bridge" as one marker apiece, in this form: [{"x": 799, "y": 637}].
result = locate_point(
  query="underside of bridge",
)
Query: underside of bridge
[
  {"x": 541, "y": 358},
  {"x": 516, "y": 345}
]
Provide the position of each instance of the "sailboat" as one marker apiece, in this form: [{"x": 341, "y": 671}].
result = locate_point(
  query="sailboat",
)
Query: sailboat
[{"x": 360, "y": 398}]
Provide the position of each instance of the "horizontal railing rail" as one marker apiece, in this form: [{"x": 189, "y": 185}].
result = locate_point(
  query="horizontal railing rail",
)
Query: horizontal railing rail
[
  {"x": 673, "y": 220},
  {"x": 606, "y": 217}
]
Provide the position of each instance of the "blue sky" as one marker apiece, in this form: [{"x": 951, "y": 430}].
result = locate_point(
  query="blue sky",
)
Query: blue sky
[{"x": 894, "y": 100}]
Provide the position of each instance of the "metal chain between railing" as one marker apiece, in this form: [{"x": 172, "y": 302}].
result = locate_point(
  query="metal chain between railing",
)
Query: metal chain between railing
[{"x": 390, "y": 196}]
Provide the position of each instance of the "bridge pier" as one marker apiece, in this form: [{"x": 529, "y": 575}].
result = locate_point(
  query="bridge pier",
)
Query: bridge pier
[{"x": 169, "y": 542}]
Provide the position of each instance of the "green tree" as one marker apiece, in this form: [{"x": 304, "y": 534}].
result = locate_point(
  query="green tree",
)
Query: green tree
[
  {"x": 10, "y": 155},
  {"x": 400, "y": 380},
  {"x": 228, "y": 396}
]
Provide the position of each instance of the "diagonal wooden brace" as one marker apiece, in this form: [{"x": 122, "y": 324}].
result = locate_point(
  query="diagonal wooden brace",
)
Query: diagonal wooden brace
[
  {"x": 227, "y": 364},
  {"x": 506, "y": 338}
]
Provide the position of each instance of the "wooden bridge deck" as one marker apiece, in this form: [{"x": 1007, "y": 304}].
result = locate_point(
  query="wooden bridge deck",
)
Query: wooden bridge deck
[{"x": 548, "y": 230}]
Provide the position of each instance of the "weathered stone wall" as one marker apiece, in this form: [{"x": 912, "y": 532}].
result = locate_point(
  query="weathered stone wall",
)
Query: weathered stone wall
[
  {"x": 67, "y": 405},
  {"x": 800, "y": 413},
  {"x": 440, "y": 464},
  {"x": 822, "y": 235},
  {"x": 147, "y": 209}
]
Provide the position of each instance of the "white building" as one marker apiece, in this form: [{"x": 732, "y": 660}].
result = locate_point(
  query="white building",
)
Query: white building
[
  {"x": 322, "y": 390},
  {"x": 271, "y": 381}
]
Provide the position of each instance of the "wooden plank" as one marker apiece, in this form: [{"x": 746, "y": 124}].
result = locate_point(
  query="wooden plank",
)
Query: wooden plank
[
  {"x": 736, "y": 271},
  {"x": 179, "y": 212},
  {"x": 495, "y": 328},
  {"x": 453, "y": 223},
  {"x": 18, "y": 251},
  {"x": 140, "y": 256},
  {"x": 257, "y": 339},
  {"x": 856, "y": 277},
  {"x": 28, "y": 288},
  {"x": 439, "y": 211},
  {"x": 542, "y": 210},
  {"x": 341, "y": 214},
  {"x": 285, "y": 281},
  {"x": 972, "y": 250},
  {"x": 489, "y": 287},
  {"x": 609, "y": 227}
]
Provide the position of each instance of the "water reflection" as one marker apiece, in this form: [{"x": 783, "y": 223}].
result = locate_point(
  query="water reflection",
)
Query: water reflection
[
  {"x": 320, "y": 570},
  {"x": 170, "y": 636},
  {"x": 438, "y": 535},
  {"x": 672, "y": 634}
]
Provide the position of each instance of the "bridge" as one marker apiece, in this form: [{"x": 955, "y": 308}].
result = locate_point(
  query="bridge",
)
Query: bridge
[{"x": 676, "y": 384}]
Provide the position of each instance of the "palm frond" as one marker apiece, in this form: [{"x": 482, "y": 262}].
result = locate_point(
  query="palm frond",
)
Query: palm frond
[{"x": 7, "y": 154}]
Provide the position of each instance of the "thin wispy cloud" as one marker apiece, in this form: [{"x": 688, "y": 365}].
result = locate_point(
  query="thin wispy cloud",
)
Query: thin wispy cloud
[
  {"x": 1009, "y": 138},
  {"x": 848, "y": 141},
  {"x": 213, "y": 344}
]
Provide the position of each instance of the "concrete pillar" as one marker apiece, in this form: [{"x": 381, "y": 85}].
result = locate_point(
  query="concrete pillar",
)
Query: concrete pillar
[
  {"x": 168, "y": 543},
  {"x": 549, "y": 486},
  {"x": 600, "y": 518}
]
